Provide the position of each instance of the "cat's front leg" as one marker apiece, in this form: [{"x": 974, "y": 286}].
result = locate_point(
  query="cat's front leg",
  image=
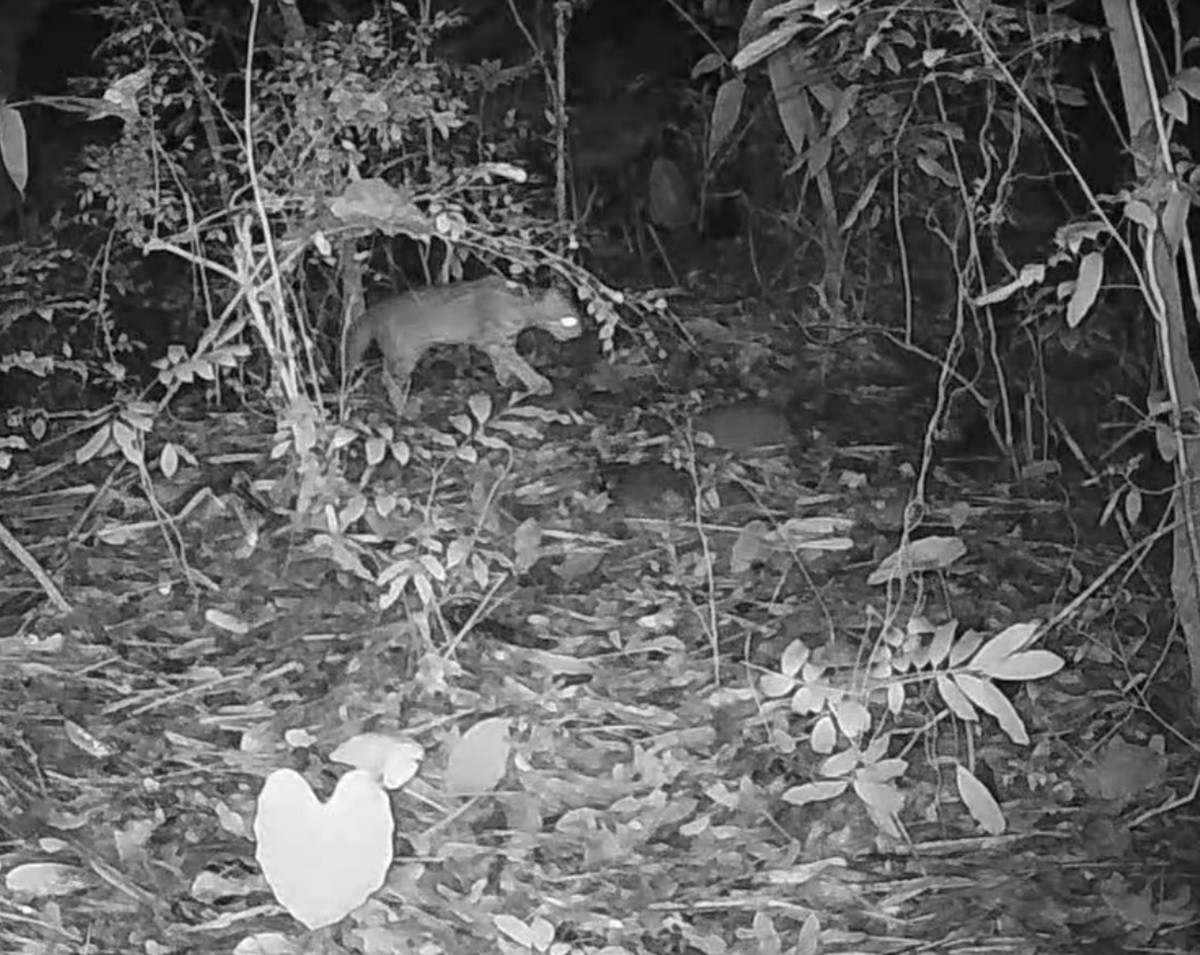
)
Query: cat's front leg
[
  {"x": 507, "y": 364},
  {"x": 400, "y": 368}
]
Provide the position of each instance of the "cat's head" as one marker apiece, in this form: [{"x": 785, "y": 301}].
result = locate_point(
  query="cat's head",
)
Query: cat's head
[{"x": 558, "y": 316}]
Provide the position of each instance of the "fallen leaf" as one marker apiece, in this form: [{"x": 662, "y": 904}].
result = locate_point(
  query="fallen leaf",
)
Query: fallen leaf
[{"x": 323, "y": 860}]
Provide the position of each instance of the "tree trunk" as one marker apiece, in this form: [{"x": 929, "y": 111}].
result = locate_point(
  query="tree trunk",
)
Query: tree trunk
[{"x": 1162, "y": 276}]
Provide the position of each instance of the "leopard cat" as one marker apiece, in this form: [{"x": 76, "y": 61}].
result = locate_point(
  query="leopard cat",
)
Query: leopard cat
[{"x": 488, "y": 313}]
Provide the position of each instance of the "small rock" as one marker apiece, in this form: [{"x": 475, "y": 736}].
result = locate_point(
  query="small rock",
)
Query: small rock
[{"x": 745, "y": 426}]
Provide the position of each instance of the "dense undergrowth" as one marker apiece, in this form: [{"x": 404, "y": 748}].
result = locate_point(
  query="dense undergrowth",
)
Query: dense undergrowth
[{"x": 811, "y": 621}]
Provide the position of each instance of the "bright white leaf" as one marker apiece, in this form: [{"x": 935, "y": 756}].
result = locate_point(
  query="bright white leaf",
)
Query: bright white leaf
[
  {"x": 1028, "y": 665},
  {"x": 983, "y": 693},
  {"x": 209, "y": 886},
  {"x": 964, "y": 648},
  {"x": 808, "y": 942},
  {"x": 953, "y": 697},
  {"x": 807, "y": 699},
  {"x": 95, "y": 444},
  {"x": 795, "y": 655},
  {"x": 877, "y": 748},
  {"x": 1188, "y": 80},
  {"x": 939, "y": 646},
  {"x": 1004, "y": 645},
  {"x": 775, "y": 685},
  {"x": 268, "y": 943},
  {"x": 385, "y": 504},
  {"x": 1138, "y": 212},
  {"x": 542, "y": 933},
  {"x": 45, "y": 879},
  {"x": 168, "y": 460},
  {"x": 226, "y": 621},
  {"x": 1087, "y": 285},
  {"x": 1030, "y": 275},
  {"x": 514, "y": 928},
  {"x": 14, "y": 153},
  {"x": 85, "y": 741},
  {"x": 824, "y": 735},
  {"x": 821, "y": 791},
  {"x": 479, "y": 760},
  {"x": 392, "y": 759},
  {"x": 853, "y": 718},
  {"x": 980, "y": 803},
  {"x": 481, "y": 407},
  {"x": 927, "y": 554},
  {"x": 1175, "y": 105},
  {"x": 323, "y": 860},
  {"x": 883, "y": 802},
  {"x": 840, "y": 764},
  {"x": 1133, "y": 505}
]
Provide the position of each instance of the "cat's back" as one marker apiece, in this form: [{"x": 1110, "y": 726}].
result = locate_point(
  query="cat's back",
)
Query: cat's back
[{"x": 439, "y": 314}]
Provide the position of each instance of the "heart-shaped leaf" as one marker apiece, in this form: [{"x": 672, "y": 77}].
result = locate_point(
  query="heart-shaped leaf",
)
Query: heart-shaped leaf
[{"x": 323, "y": 860}]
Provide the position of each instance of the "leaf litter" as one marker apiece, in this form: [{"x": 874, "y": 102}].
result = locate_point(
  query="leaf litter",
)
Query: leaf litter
[{"x": 643, "y": 732}]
